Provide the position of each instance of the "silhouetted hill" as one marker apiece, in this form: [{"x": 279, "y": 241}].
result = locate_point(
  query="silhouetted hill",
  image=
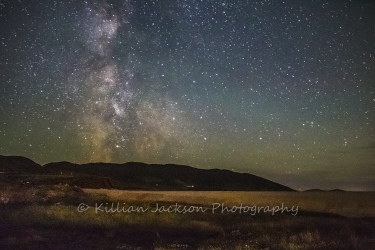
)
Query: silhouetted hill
[
  {"x": 337, "y": 190},
  {"x": 19, "y": 164},
  {"x": 135, "y": 175},
  {"x": 321, "y": 190},
  {"x": 314, "y": 190},
  {"x": 141, "y": 176}
]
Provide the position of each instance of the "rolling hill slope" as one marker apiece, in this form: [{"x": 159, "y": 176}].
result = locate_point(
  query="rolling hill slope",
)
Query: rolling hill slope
[{"x": 141, "y": 176}]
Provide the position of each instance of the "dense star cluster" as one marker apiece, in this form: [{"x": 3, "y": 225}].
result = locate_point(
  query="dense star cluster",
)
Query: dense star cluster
[{"x": 281, "y": 89}]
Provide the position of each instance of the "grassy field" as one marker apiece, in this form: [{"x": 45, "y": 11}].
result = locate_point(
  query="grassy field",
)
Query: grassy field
[
  {"x": 349, "y": 204},
  {"x": 63, "y": 217}
]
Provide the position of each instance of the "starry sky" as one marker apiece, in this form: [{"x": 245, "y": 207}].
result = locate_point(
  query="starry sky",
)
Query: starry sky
[{"x": 281, "y": 89}]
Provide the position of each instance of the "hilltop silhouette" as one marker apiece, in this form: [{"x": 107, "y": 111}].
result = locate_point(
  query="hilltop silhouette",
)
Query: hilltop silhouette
[{"x": 134, "y": 176}]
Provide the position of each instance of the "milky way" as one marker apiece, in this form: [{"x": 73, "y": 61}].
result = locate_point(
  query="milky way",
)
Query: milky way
[
  {"x": 280, "y": 89},
  {"x": 108, "y": 95},
  {"x": 114, "y": 117}
]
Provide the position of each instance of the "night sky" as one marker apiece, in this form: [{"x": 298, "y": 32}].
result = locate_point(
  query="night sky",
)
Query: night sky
[{"x": 281, "y": 89}]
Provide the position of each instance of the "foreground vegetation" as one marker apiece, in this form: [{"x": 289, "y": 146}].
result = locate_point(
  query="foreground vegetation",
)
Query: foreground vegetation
[{"x": 47, "y": 217}]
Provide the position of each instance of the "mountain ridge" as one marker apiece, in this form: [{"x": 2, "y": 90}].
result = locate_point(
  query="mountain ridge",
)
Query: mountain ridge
[{"x": 141, "y": 176}]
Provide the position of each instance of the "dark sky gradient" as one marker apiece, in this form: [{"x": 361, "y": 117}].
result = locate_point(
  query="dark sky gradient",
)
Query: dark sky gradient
[{"x": 280, "y": 89}]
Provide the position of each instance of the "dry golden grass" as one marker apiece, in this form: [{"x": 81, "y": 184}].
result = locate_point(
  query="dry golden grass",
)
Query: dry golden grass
[
  {"x": 348, "y": 204},
  {"x": 46, "y": 217}
]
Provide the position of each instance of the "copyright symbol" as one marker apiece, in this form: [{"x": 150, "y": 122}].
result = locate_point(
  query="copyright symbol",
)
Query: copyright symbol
[{"x": 82, "y": 207}]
